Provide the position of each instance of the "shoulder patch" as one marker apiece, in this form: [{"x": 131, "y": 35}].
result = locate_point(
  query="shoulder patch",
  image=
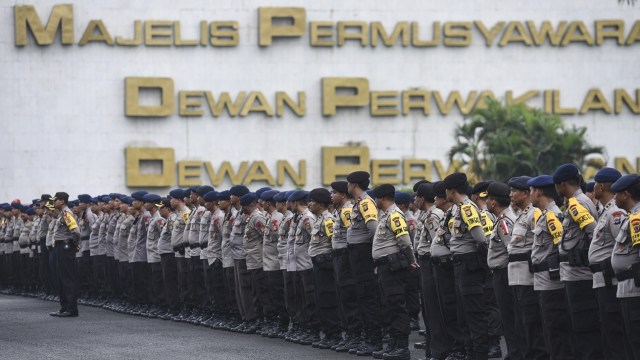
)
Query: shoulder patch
[
  {"x": 185, "y": 217},
  {"x": 634, "y": 229},
  {"x": 580, "y": 214},
  {"x": 555, "y": 227},
  {"x": 398, "y": 225},
  {"x": 368, "y": 210},
  {"x": 345, "y": 216},
  {"x": 470, "y": 216},
  {"x": 70, "y": 221},
  {"x": 328, "y": 227}
]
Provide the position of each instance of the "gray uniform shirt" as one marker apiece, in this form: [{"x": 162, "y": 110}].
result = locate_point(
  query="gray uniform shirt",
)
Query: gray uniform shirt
[
  {"x": 8, "y": 235},
  {"x": 227, "y": 229},
  {"x": 179, "y": 225},
  {"x": 467, "y": 228},
  {"x": 156, "y": 223},
  {"x": 94, "y": 240},
  {"x": 283, "y": 236},
  {"x": 123, "y": 237},
  {"x": 237, "y": 236},
  {"x": 291, "y": 239},
  {"x": 194, "y": 230},
  {"x": 440, "y": 243},
  {"x": 66, "y": 227},
  {"x": 23, "y": 238},
  {"x": 142, "y": 227},
  {"x": 424, "y": 239},
  {"x": 164, "y": 243},
  {"x": 578, "y": 225},
  {"x": 364, "y": 210},
  {"x": 270, "y": 242},
  {"x": 392, "y": 235},
  {"x": 604, "y": 239},
  {"x": 133, "y": 238},
  {"x": 302, "y": 238},
  {"x": 253, "y": 239},
  {"x": 214, "y": 250},
  {"x": 17, "y": 229},
  {"x": 111, "y": 229},
  {"x": 521, "y": 243},
  {"x": 342, "y": 218},
  {"x": 117, "y": 254},
  {"x": 50, "y": 232},
  {"x": 497, "y": 254},
  {"x": 102, "y": 234},
  {"x": 204, "y": 236},
  {"x": 85, "y": 229},
  {"x": 625, "y": 254},
  {"x": 321, "y": 233},
  {"x": 44, "y": 226},
  {"x": 548, "y": 228}
]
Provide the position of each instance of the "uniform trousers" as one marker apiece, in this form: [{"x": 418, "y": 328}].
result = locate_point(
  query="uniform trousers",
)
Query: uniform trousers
[
  {"x": 67, "y": 277},
  {"x": 585, "y": 325},
  {"x": 347, "y": 295},
  {"x": 368, "y": 294}
]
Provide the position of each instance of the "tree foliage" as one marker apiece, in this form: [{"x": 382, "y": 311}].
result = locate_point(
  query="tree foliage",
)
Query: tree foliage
[{"x": 501, "y": 141}]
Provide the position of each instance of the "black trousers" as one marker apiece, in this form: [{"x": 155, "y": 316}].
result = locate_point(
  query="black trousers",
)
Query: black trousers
[
  {"x": 529, "y": 321},
  {"x": 631, "y": 314},
  {"x": 347, "y": 294},
  {"x": 585, "y": 325},
  {"x": 492, "y": 312},
  {"x": 196, "y": 283},
  {"x": 35, "y": 270},
  {"x": 440, "y": 341},
  {"x": 447, "y": 299},
  {"x": 290, "y": 283},
  {"x": 611, "y": 323},
  {"x": 230, "y": 291},
  {"x": 214, "y": 277},
  {"x": 413, "y": 294},
  {"x": 260, "y": 299},
  {"x": 112, "y": 278},
  {"x": 327, "y": 298},
  {"x": 99, "y": 263},
  {"x": 394, "y": 286},
  {"x": 556, "y": 323},
  {"x": 85, "y": 275},
  {"x": 25, "y": 271},
  {"x": 3, "y": 269},
  {"x": 170, "y": 289},
  {"x": 183, "y": 282},
  {"x": 43, "y": 266},
  {"x": 244, "y": 295},
  {"x": 140, "y": 282},
  {"x": 310, "y": 313},
  {"x": 367, "y": 290},
  {"x": 52, "y": 276},
  {"x": 275, "y": 280},
  {"x": 124, "y": 278},
  {"x": 155, "y": 287},
  {"x": 504, "y": 297},
  {"x": 14, "y": 268},
  {"x": 470, "y": 277},
  {"x": 67, "y": 277}
]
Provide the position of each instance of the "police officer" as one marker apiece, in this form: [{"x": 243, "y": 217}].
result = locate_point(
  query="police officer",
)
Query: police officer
[
  {"x": 546, "y": 267},
  {"x": 230, "y": 214},
  {"x": 525, "y": 301},
  {"x": 320, "y": 251},
  {"x": 498, "y": 204},
  {"x": 45, "y": 220},
  {"x": 203, "y": 225},
  {"x": 402, "y": 201},
  {"x": 86, "y": 219},
  {"x": 469, "y": 270},
  {"x": 171, "y": 293},
  {"x": 138, "y": 254},
  {"x": 392, "y": 251},
  {"x": 578, "y": 226},
  {"x": 179, "y": 247},
  {"x": 214, "y": 273},
  {"x": 122, "y": 235},
  {"x": 153, "y": 204},
  {"x": 625, "y": 259},
  {"x": 66, "y": 241},
  {"x": 604, "y": 282},
  {"x": 242, "y": 276},
  {"x": 97, "y": 251},
  {"x": 364, "y": 222}
]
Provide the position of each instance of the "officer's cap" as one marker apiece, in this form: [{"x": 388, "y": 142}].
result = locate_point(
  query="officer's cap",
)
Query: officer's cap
[
  {"x": 298, "y": 195},
  {"x": 177, "y": 194},
  {"x": 358, "y": 177},
  {"x": 416, "y": 186},
  {"x": 45, "y": 197},
  {"x": 320, "y": 195},
  {"x": 455, "y": 181},
  {"x": 519, "y": 182},
  {"x": 541, "y": 181},
  {"x": 607, "y": 175},
  {"x": 61, "y": 195},
  {"x": 288, "y": 193},
  {"x": 194, "y": 188},
  {"x": 239, "y": 190},
  {"x": 105, "y": 198},
  {"x": 224, "y": 195},
  {"x": 384, "y": 191},
  {"x": 402, "y": 198},
  {"x": 204, "y": 189},
  {"x": 248, "y": 199},
  {"x": 268, "y": 195},
  {"x": 139, "y": 195},
  {"x": 340, "y": 186},
  {"x": 5, "y": 207},
  {"x": 625, "y": 182},
  {"x": 565, "y": 172},
  {"x": 84, "y": 198},
  {"x": 260, "y": 191},
  {"x": 95, "y": 200},
  {"x": 187, "y": 193},
  {"x": 481, "y": 188},
  {"x": 211, "y": 196}
]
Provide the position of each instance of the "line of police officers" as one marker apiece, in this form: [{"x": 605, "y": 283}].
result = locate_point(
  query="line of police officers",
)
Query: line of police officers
[{"x": 357, "y": 266}]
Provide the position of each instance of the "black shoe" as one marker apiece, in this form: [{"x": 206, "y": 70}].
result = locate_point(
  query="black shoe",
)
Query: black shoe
[
  {"x": 328, "y": 342},
  {"x": 495, "y": 351},
  {"x": 420, "y": 345},
  {"x": 415, "y": 324},
  {"x": 379, "y": 354},
  {"x": 348, "y": 346},
  {"x": 67, "y": 314},
  {"x": 368, "y": 349},
  {"x": 422, "y": 332},
  {"x": 401, "y": 353},
  {"x": 56, "y": 313},
  {"x": 456, "y": 355}
]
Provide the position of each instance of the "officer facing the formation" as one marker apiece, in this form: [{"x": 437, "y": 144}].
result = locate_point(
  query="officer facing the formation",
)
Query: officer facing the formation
[
  {"x": 578, "y": 226},
  {"x": 66, "y": 241},
  {"x": 626, "y": 258},
  {"x": 393, "y": 255},
  {"x": 466, "y": 239}
]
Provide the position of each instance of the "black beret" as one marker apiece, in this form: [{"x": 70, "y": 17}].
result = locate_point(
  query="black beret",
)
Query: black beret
[
  {"x": 426, "y": 190},
  {"x": 519, "y": 182},
  {"x": 340, "y": 186},
  {"x": 239, "y": 190},
  {"x": 358, "y": 177},
  {"x": 439, "y": 189},
  {"x": 481, "y": 188},
  {"x": 187, "y": 193},
  {"x": 62, "y": 196},
  {"x": 498, "y": 190},
  {"x": 416, "y": 186},
  {"x": 607, "y": 175},
  {"x": 625, "y": 182},
  {"x": 320, "y": 195},
  {"x": 384, "y": 190},
  {"x": 565, "y": 172},
  {"x": 455, "y": 181},
  {"x": 248, "y": 199},
  {"x": 204, "y": 189}
]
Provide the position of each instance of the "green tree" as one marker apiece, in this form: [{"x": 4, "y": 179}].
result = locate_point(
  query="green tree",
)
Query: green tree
[{"x": 501, "y": 141}]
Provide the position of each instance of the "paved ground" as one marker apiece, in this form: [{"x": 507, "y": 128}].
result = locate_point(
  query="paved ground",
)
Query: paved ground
[{"x": 28, "y": 332}]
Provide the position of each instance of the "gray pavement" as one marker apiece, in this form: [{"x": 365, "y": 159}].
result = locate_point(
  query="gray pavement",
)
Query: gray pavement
[{"x": 28, "y": 332}]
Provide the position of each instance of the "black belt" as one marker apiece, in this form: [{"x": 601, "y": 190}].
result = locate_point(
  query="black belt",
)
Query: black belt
[
  {"x": 84, "y": 238},
  {"x": 194, "y": 246},
  {"x": 441, "y": 260},
  {"x": 599, "y": 267},
  {"x": 382, "y": 261},
  {"x": 540, "y": 267},
  {"x": 625, "y": 275},
  {"x": 24, "y": 246},
  {"x": 520, "y": 257},
  {"x": 465, "y": 257}
]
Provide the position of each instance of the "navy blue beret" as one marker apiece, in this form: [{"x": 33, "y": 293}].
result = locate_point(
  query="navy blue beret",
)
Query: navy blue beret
[
  {"x": 607, "y": 175},
  {"x": 455, "y": 181},
  {"x": 358, "y": 177},
  {"x": 262, "y": 190},
  {"x": 194, "y": 188},
  {"x": 30, "y": 211},
  {"x": 139, "y": 195},
  {"x": 127, "y": 200},
  {"x": 541, "y": 181},
  {"x": 95, "y": 200},
  {"x": 591, "y": 185},
  {"x": 239, "y": 190},
  {"x": 384, "y": 190},
  {"x": 340, "y": 186},
  {"x": 625, "y": 182},
  {"x": 84, "y": 198},
  {"x": 289, "y": 194},
  {"x": 73, "y": 203},
  {"x": 152, "y": 198},
  {"x": 565, "y": 172},
  {"x": 320, "y": 195},
  {"x": 210, "y": 196},
  {"x": 177, "y": 194},
  {"x": 105, "y": 198},
  {"x": 268, "y": 195},
  {"x": 248, "y": 199},
  {"x": 5, "y": 207},
  {"x": 520, "y": 182},
  {"x": 439, "y": 190},
  {"x": 403, "y": 198},
  {"x": 281, "y": 196},
  {"x": 224, "y": 195},
  {"x": 298, "y": 195},
  {"x": 204, "y": 189},
  {"x": 187, "y": 193}
]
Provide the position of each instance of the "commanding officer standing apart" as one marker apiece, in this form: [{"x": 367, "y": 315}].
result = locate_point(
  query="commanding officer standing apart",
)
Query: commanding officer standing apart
[
  {"x": 66, "y": 241},
  {"x": 578, "y": 225},
  {"x": 364, "y": 222},
  {"x": 392, "y": 252},
  {"x": 604, "y": 281},
  {"x": 626, "y": 259},
  {"x": 466, "y": 238}
]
